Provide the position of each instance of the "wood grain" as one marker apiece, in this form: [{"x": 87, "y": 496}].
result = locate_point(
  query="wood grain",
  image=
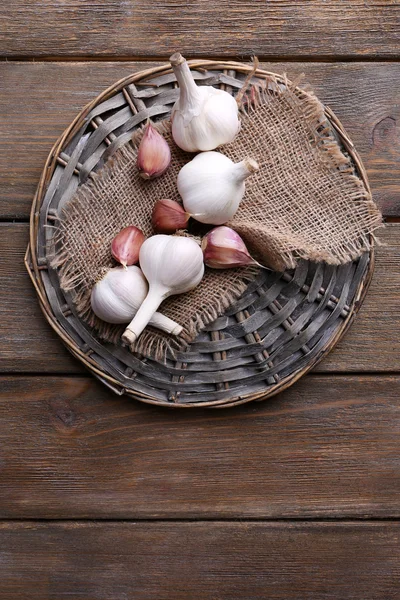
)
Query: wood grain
[
  {"x": 28, "y": 344},
  {"x": 43, "y": 98},
  {"x": 327, "y": 447},
  {"x": 225, "y": 28},
  {"x": 203, "y": 561}
]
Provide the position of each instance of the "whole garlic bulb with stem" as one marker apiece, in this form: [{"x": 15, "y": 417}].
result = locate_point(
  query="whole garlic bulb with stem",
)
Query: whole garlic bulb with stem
[
  {"x": 172, "y": 265},
  {"x": 118, "y": 295},
  {"x": 203, "y": 118},
  {"x": 212, "y": 186},
  {"x": 223, "y": 248}
]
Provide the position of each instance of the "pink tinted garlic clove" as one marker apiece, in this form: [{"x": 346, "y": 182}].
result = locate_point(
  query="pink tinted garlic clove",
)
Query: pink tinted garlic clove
[
  {"x": 154, "y": 155},
  {"x": 169, "y": 216},
  {"x": 223, "y": 248},
  {"x": 126, "y": 245}
]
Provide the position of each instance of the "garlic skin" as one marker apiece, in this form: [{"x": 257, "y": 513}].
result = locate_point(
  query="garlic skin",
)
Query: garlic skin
[
  {"x": 223, "y": 248},
  {"x": 168, "y": 216},
  {"x": 118, "y": 295},
  {"x": 172, "y": 265},
  {"x": 126, "y": 245},
  {"x": 212, "y": 186},
  {"x": 203, "y": 118},
  {"x": 154, "y": 154}
]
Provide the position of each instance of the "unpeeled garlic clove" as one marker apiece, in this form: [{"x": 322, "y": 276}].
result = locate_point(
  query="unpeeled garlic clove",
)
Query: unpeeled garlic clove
[
  {"x": 126, "y": 245},
  {"x": 154, "y": 155},
  {"x": 223, "y": 248},
  {"x": 169, "y": 216}
]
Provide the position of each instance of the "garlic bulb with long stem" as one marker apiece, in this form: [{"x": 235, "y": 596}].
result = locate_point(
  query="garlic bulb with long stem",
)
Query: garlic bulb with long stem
[
  {"x": 172, "y": 265},
  {"x": 117, "y": 296},
  {"x": 203, "y": 118},
  {"x": 212, "y": 186}
]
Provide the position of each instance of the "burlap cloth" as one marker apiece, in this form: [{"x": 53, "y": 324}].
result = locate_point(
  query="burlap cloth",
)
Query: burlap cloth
[{"x": 305, "y": 202}]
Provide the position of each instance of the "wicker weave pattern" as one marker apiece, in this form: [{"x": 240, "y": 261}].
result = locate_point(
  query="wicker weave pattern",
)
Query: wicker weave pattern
[{"x": 279, "y": 328}]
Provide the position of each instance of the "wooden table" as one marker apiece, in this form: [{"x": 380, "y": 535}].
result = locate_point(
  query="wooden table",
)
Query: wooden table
[{"x": 104, "y": 498}]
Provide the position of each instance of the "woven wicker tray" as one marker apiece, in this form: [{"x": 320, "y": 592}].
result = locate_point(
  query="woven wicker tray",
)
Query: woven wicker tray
[{"x": 278, "y": 330}]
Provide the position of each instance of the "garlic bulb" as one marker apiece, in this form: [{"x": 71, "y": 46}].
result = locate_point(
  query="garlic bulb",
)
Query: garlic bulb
[
  {"x": 154, "y": 155},
  {"x": 168, "y": 216},
  {"x": 118, "y": 295},
  {"x": 223, "y": 248},
  {"x": 172, "y": 265},
  {"x": 212, "y": 186},
  {"x": 126, "y": 245},
  {"x": 203, "y": 118}
]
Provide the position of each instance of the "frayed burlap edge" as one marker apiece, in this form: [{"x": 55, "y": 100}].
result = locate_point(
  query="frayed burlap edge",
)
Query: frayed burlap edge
[{"x": 323, "y": 137}]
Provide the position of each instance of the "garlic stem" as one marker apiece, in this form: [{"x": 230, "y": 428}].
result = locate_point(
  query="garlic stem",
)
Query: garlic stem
[
  {"x": 190, "y": 94},
  {"x": 245, "y": 168},
  {"x": 143, "y": 315},
  {"x": 160, "y": 321}
]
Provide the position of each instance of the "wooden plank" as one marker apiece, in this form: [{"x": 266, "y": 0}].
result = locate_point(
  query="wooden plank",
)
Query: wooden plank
[
  {"x": 43, "y": 98},
  {"x": 372, "y": 343},
  {"x": 327, "y": 447},
  {"x": 225, "y": 28},
  {"x": 177, "y": 561},
  {"x": 28, "y": 344}
]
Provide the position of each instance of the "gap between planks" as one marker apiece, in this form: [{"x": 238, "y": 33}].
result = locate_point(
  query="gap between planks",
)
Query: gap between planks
[
  {"x": 80, "y": 375},
  {"x": 312, "y": 58},
  {"x": 356, "y": 520}
]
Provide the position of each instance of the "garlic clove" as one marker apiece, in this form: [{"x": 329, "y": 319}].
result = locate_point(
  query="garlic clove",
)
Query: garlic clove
[
  {"x": 119, "y": 293},
  {"x": 223, "y": 248},
  {"x": 169, "y": 216},
  {"x": 203, "y": 117},
  {"x": 154, "y": 155},
  {"x": 212, "y": 186},
  {"x": 126, "y": 245}
]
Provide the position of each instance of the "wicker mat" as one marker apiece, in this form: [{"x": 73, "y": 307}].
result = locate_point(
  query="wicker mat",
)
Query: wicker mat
[{"x": 305, "y": 202}]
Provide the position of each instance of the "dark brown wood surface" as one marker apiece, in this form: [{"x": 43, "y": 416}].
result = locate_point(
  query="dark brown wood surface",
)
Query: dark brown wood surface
[
  {"x": 363, "y": 95},
  {"x": 139, "y": 28},
  {"x": 181, "y": 561},
  {"x": 72, "y": 451},
  {"x": 30, "y": 345},
  {"x": 102, "y": 498}
]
